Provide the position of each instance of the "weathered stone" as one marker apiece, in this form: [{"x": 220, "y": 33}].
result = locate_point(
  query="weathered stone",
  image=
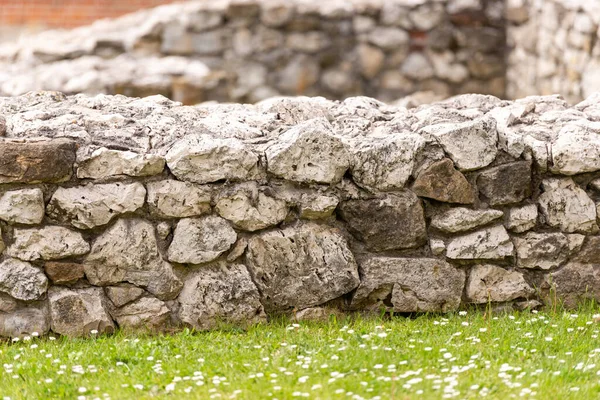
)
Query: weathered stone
[
  {"x": 409, "y": 285},
  {"x": 144, "y": 314},
  {"x": 389, "y": 38},
  {"x": 22, "y": 280},
  {"x": 7, "y": 303},
  {"x": 220, "y": 293},
  {"x": 318, "y": 314},
  {"x": 521, "y": 219},
  {"x": 371, "y": 60},
  {"x": 301, "y": 266},
  {"x": 25, "y": 320},
  {"x": 417, "y": 66},
  {"x": 566, "y": 206},
  {"x": 200, "y": 240},
  {"x": 506, "y": 184},
  {"x": 104, "y": 163},
  {"x": 588, "y": 253},
  {"x": 471, "y": 145},
  {"x": 238, "y": 250},
  {"x": 123, "y": 293},
  {"x": 440, "y": 181},
  {"x": 317, "y": 207},
  {"x": 36, "y": 161},
  {"x": 61, "y": 273},
  {"x": 249, "y": 207},
  {"x": 309, "y": 42},
  {"x": 47, "y": 243},
  {"x": 437, "y": 246},
  {"x": 485, "y": 244},
  {"x": 577, "y": 150},
  {"x": 2, "y": 245},
  {"x": 545, "y": 250},
  {"x": 385, "y": 161},
  {"x": 490, "y": 283},
  {"x": 574, "y": 284},
  {"x": 463, "y": 219},
  {"x": 25, "y": 206},
  {"x": 205, "y": 159},
  {"x": 395, "y": 221},
  {"x": 77, "y": 312},
  {"x": 163, "y": 230},
  {"x": 128, "y": 252},
  {"x": 309, "y": 152},
  {"x": 176, "y": 199},
  {"x": 86, "y": 207}
]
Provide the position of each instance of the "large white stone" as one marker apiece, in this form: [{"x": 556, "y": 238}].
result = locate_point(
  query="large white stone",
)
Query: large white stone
[
  {"x": 490, "y": 283},
  {"x": 385, "y": 161},
  {"x": 566, "y": 206},
  {"x": 484, "y": 244},
  {"x": 462, "y": 219},
  {"x": 471, "y": 145},
  {"x": 25, "y": 206},
  {"x": 200, "y": 240},
  {"x": 205, "y": 159},
  {"x": 22, "y": 280},
  {"x": 250, "y": 208},
  {"x": 521, "y": 219},
  {"x": 545, "y": 250},
  {"x": 86, "y": 207},
  {"x": 176, "y": 199},
  {"x": 309, "y": 152},
  {"x": 47, "y": 243},
  {"x": 577, "y": 149},
  {"x": 104, "y": 163}
]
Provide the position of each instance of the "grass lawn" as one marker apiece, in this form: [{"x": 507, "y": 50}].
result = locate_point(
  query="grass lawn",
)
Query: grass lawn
[{"x": 545, "y": 355}]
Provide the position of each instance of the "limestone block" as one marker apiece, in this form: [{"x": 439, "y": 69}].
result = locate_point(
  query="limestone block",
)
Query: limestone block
[
  {"x": 506, "y": 183},
  {"x": 24, "y": 206},
  {"x": 485, "y": 244},
  {"x": 490, "y": 283},
  {"x": 144, "y": 314},
  {"x": 123, "y": 293},
  {"x": 440, "y": 181},
  {"x": 104, "y": 163},
  {"x": 25, "y": 320},
  {"x": 175, "y": 199},
  {"x": 545, "y": 250},
  {"x": 47, "y": 243},
  {"x": 521, "y": 219},
  {"x": 577, "y": 149},
  {"x": 463, "y": 219},
  {"x": 62, "y": 273},
  {"x": 21, "y": 280}
]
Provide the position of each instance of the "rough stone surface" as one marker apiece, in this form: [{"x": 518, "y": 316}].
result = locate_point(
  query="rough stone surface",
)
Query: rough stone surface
[
  {"x": 440, "y": 181},
  {"x": 490, "y": 283},
  {"x": 25, "y": 320},
  {"x": 317, "y": 314},
  {"x": 89, "y": 206},
  {"x": 300, "y": 267},
  {"x": 123, "y": 293},
  {"x": 25, "y": 206},
  {"x": 128, "y": 252},
  {"x": 463, "y": 219},
  {"x": 486, "y": 244},
  {"x": 36, "y": 161},
  {"x": 62, "y": 273},
  {"x": 309, "y": 152},
  {"x": 201, "y": 240},
  {"x": 505, "y": 184},
  {"x": 144, "y": 314},
  {"x": 104, "y": 163},
  {"x": 77, "y": 312},
  {"x": 566, "y": 206},
  {"x": 22, "y": 280},
  {"x": 409, "y": 285},
  {"x": 250, "y": 208},
  {"x": 521, "y": 219},
  {"x": 575, "y": 283},
  {"x": 175, "y": 199},
  {"x": 47, "y": 243},
  {"x": 220, "y": 293},
  {"x": 545, "y": 250},
  {"x": 395, "y": 221}
]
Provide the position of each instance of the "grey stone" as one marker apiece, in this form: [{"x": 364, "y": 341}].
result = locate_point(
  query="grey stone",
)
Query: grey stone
[
  {"x": 506, "y": 184},
  {"x": 440, "y": 181},
  {"x": 309, "y": 152},
  {"x": 144, "y": 314},
  {"x": 128, "y": 252},
  {"x": 318, "y": 207},
  {"x": 24, "y": 206},
  {"x": 47, "y": 243},
  {"x": 463, "y": 219},
  {"x": 318, "y": 314},
  {"x": 576, "y": 150},
  {"x": 64, "y": 273},
  {"x": 176, "y": 199},
  {"x": 22, "y": 280},
  {"x": 104, "y": 163},
  {"x": 573, "y": 284},
  {"x": 566, "y": 206},
  {"x": 301, "y": 266},
  {"x": 417, "y": 66},
  {"x": 490, "y": 283},
  {"x": 389, "y": 38},
  {"x": 409, "y": 285},
  {"x": 395, "y": 221},
  {"x": 86, "y": 207},
  {"x": 220, "y": 293},
  {"x": 484, "y": 244},
  {"x": 521, "y": 219},
  {"x": 545, "y": 250},
  {"x": 123, "y": 293},
  {"x": 77, "y": 312},
  {"x": 200, "y": 240},
  {"x": 25, "y": 320}
]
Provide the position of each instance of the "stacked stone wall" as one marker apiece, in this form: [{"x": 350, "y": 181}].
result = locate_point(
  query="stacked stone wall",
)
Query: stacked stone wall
[
  {"x": 249, "y": 50},
  {"x": 145, "y": 214}
]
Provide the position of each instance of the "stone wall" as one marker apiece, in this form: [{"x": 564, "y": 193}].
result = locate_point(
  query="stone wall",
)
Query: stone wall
[
  {"x": 259, "y": 49},
  {"x": 554, "y": 48},
  {"x": 145, "y": 214}
]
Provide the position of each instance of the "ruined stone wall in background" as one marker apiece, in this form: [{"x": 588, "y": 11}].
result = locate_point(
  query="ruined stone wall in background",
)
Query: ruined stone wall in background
[
  {"x": 553, "y": 48},
  {"x": 145, "y": 214},
  {"x": 249, "y": 50}
]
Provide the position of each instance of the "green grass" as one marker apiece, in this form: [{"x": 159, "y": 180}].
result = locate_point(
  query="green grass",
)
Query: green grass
[{"x": 546, "y": 355}]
